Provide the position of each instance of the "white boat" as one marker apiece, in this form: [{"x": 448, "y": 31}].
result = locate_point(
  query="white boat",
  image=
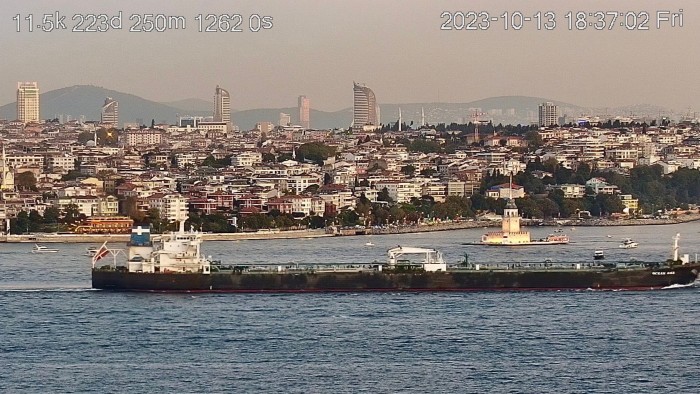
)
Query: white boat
[
  {"x": 598, "y": 255},
  {"x": 91, "y": 251},
  {"x": 627, "y": 243},
  {"x": 369, "y": 243},
  {"x": 43, "y": 249}
]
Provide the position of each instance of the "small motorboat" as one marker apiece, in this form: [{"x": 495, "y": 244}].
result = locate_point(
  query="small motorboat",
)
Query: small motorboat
[
  {"x": 91, "y": 251},
  {"x": 43, "y": 249},
  {"x": 627, "y": 243},
  {"x": 369, "y": 243},
  {"x": 598, "y": 255}
]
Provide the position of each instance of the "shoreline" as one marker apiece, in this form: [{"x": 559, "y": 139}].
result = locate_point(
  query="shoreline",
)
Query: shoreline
[{"x": 319, "y": 233}]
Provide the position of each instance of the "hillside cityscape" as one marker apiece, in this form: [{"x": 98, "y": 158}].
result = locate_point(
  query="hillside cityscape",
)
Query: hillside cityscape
[{"x": 89, "y": 160}]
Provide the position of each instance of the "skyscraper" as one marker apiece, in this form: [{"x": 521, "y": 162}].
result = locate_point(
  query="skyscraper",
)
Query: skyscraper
[
  {"x": 28, "y": 102},
  {"x": 548, "y": 114},
  {"x": 365, "y": 108},
  {"x": 222, "y": 106},
  {"x": 304, "y": 109},
  {"x": 110, "y": 112},
  {"x": 285, "y": 119}
]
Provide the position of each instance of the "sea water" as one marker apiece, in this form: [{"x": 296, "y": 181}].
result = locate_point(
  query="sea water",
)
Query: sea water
[{"x": 58, "y": 335}]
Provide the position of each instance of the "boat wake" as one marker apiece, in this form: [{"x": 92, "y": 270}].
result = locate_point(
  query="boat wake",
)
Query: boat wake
[
  {"x": 47, "y": 290},
  {"x": 678, "y": 286}
]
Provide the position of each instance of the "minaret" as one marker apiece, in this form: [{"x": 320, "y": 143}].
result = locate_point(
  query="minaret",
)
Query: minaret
[
  {"x": 422, "y": 117},
  {"x": 8, "y": 178}
]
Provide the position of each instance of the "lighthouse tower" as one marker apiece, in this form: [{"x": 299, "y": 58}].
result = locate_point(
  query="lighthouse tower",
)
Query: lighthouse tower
[{"x": 511, "y": 218}]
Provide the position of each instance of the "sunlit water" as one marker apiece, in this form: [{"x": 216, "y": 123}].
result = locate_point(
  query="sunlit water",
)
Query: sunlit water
[{"x": 57, "y": 335}]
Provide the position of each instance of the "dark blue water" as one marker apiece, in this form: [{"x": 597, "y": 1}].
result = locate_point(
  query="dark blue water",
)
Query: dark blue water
[{"x": 56, "y": 335}]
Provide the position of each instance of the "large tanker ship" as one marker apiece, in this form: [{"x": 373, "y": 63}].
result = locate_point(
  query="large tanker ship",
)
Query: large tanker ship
[{"x": 175, "y": 263}]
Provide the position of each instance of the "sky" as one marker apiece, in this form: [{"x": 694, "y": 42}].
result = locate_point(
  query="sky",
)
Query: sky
[{"x": 397, "y": 47}]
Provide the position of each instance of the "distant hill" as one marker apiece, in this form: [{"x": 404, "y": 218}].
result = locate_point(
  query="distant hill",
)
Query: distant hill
[{"x": 87, "y": 100}]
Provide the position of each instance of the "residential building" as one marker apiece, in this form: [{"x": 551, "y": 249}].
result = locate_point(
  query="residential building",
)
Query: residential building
[
  {"x": 506, "y": 191},
  {"x": 631, "y": 204},
  {"x": 570, "y": 190},
  {"x": 172, "y": 206},
  {"x": 28, "y": 102},
  {"x": 246, "y": 159},
  {"x": 285, "y": 119},
  {"x": 548, "y": 114},
  {"x": 142, "y": 137}
]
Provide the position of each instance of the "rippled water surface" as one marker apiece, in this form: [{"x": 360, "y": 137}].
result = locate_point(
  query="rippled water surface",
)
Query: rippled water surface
[{"x": 57, "y": 335}]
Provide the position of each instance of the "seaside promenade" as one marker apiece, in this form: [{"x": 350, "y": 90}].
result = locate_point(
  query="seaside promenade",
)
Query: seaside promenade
[{"x": 316, "y": 233}]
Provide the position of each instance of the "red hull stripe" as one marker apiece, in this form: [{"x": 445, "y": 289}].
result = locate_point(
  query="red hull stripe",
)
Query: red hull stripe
[{"x": 453, "y": 290}]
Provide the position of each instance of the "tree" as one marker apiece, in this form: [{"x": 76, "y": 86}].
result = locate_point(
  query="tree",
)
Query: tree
[
  {"x": 315, "y": 152},
  {"x": 72, "y": 175},
  {"x": 25, "y": 181},
  {"x": 534, "y": 140},
  {"x": 71, "y": 214},
  {"x": 193, "y": 220},
  {"x": 130, "y": 208},
  {"x": 153, "y": 217},
  {"x": 408, "y": 170},
  {"x": 35, "y": 221},
  {"x": 51, "y": 215},
  {"x": 20, "y": 224},
  {"x": 383, "y": 195}
]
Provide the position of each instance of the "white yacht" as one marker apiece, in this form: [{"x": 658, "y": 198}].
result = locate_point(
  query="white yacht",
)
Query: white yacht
[
  {"x": 43, "y": 249},
  {"x": 627, "y": 243}
]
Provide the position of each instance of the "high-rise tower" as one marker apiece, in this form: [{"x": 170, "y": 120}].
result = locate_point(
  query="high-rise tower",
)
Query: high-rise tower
[
  {"x": 548, "y": 114},
  {"x": 222, "y": 106},
  {"x": 110, "y": 112},
  {"x": 28, "y": 102},
  {"x": 365, "y": 108},
  {"x": 304, "y": 110}
]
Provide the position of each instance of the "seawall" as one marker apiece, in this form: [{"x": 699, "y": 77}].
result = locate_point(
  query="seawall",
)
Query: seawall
[{"x": 317, "y": 233}]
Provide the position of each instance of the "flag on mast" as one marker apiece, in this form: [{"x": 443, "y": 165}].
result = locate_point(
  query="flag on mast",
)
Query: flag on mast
[{"x": 101, "y": 252}]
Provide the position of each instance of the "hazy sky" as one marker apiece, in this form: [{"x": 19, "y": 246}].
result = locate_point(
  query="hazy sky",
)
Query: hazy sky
[{"x": 396, "y": 47}]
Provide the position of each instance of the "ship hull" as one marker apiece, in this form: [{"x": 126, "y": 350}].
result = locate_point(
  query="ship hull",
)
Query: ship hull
[{"x": 481, "y": 280}]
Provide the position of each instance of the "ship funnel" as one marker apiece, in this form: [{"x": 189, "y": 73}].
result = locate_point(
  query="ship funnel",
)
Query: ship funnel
[
  {"x": 140, "y": 236},
  {"x": 675, "y": 246}
]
